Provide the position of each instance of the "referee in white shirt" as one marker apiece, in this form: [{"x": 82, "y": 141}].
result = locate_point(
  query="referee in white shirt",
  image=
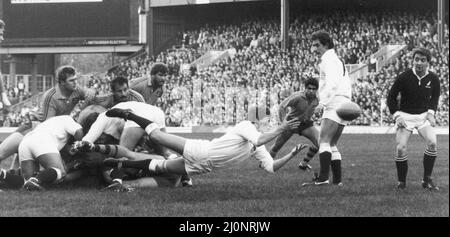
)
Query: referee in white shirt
[{"x": 334, "y": 90}]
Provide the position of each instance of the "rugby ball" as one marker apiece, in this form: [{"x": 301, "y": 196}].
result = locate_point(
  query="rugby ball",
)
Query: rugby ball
[{"x": 348, "y": 111}]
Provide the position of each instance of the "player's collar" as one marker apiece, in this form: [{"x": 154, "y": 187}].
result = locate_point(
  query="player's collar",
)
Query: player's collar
[
  {"x": 327, "y": 54},
  {"x": 420, "y": 78},
  {"x": 59, "y": 94}
]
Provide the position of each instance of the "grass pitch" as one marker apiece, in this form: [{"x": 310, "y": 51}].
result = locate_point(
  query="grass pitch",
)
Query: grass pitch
[{"x": 369, "y": 177}]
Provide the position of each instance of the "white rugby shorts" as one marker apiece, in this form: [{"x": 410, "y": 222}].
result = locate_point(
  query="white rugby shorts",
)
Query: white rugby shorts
[
  {"x": 414, "y": 121},
  {"x": 195, "y": 155},
  {"x": 32, "y": 147},
  {"x": 329, "y": 111}
]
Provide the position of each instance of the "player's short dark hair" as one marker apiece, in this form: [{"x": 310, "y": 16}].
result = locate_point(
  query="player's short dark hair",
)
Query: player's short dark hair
[
  {"x": 324, "y": 38},
  {"x": 422, "y": 51},
  {"x": 90, "y": 119},
  {"x": 312, "y": 81},
  {"x": 159, "y": 68},
  {"x": 64, "y": 72},
  {"x": 2, "y": 24},
  {"x": 118, "y": 81}
]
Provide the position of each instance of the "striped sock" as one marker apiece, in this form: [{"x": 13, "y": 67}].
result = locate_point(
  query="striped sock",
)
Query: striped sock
[
  {"x": 311, "y": 153},
  {"x": 402, "y": 168},
  {"x": 428, "y": 163},
  {"x": 110, "y": 150}
]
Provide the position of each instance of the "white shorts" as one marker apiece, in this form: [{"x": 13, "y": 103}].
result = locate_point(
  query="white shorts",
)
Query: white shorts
[
  {"x": 196, "y": 156},
  {"x": 32, "y": 147},
  {"x": 414, "y": 121},
  {"x": 329, "y": 111}
]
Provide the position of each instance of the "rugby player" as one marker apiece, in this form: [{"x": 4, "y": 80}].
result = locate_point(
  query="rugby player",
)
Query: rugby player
[
  {"x": 42, "y": 147},
  {"x": 300, "y": 105},
  {"x": 59, "y": 100},
  {"x": 420, "y": 90},
  {"x": 334, "y": 90},
  {"x": 201, "y": 156}
]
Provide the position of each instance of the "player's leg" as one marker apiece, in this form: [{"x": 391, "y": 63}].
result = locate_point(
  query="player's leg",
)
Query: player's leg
[
  {"x": 115, "y": 151},
  {"x": 130, "y": 137},
  {"x": 156, "y": 165},
  {"x": 328, "y": 129},
  {"x": 28, "y": 165},
  {"x": 312, "y": 134},
  {"x": 170, "y": 141},
  {"x": 54, "y": 171},
  {"x": 15, "y": 164},
  {"x": 279, "y": 142},
  {"x": 10, "y": 145},
  {"x": 401, "y": 158},
  {"x": 336, "y": 157},
  {"x": 429, "y": 156}
]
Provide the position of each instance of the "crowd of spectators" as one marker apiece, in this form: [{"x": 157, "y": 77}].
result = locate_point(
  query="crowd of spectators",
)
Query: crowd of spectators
[{"x": 260, "y": 72}]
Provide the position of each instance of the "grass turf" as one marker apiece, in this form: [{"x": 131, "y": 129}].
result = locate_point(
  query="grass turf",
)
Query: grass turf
[{"x": 369, "y": 178}]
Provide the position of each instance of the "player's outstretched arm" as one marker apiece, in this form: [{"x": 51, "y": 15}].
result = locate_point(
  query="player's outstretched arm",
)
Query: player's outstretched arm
[
  {"x": 277, "y": 164},
  {"x": 269, "y": 136}
]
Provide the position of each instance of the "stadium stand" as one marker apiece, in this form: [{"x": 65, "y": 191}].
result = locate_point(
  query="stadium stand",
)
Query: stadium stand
[{"x": 258, "y": 70}]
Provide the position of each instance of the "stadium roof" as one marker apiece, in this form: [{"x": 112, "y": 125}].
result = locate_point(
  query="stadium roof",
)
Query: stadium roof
[{"x": 166, "y": 3}]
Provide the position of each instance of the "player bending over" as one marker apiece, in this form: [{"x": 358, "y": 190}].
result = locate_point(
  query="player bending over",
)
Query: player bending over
[{"x": 42, "y": 147}]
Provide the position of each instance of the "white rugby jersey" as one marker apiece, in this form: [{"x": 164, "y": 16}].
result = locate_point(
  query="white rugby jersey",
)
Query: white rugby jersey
[
  {"x": 55, "y": 129},
  {"x": 333, "y": 79},
  {"x": 237, "y": 145},
  {"x": 114, "y": 126}
]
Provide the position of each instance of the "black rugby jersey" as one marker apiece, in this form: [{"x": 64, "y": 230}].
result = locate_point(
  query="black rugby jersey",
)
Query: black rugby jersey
[{"x": 417, "y": 96}]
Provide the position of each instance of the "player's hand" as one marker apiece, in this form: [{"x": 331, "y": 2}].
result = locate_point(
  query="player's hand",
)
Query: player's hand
[
  {"x": 319, "y": 110},
  {"x": 298, "y": 148},
  {"x": 431, "y": 119},
  {"x": 290, "y": 124},
  {"x": 75, "y": 147},
  {"x": 401, "y": 122}
]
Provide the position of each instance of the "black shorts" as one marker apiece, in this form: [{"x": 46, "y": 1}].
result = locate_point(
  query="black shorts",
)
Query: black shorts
[{"x": 304, "y": 125}]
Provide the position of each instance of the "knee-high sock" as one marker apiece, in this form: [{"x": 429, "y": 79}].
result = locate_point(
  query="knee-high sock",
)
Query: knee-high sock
[
  {"x": 402, "y": 168},
  {"x": 336, "y": 165},
  {"x": 143, "y": 122},
  {"x": 325, "y": 160},
  {"x": 155, "y": 166},
  {"x": 428, "y": 163},
  {"x": 137, "y": 164},
  {"x": 311, "y": 153},
  {"x": 110, "y": 150},
  {"x": 48, "y": 176}
]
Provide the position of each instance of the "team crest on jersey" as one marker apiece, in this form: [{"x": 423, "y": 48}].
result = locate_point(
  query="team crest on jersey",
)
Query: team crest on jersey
[{"x": 428, "y": 85}]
